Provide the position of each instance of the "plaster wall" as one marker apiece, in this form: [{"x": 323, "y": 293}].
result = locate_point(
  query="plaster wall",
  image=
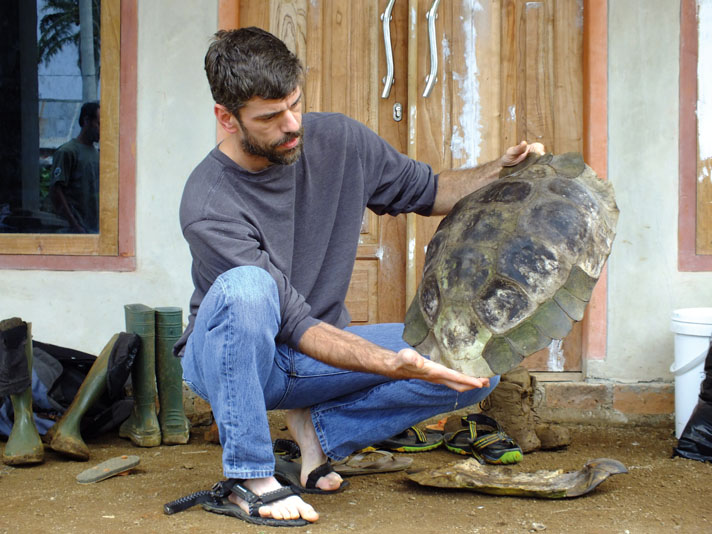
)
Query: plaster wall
[
  {"x": 644, "y": 284},
  {"x": 175, "y": 130}
]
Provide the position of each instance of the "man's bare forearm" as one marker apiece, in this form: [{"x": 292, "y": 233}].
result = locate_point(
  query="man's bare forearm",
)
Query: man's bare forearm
[
  {"x": 345, "y": 350},
  {"x": 456, "y": 183}
]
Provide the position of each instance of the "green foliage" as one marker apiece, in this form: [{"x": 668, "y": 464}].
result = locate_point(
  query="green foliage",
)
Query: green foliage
[
  {"x": 60, "y": 26},
  {"x": 45, "y": 180}
]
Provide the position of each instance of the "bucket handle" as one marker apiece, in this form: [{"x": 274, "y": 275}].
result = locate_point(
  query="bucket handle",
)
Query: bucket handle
[{"x": 691, "y": 364}]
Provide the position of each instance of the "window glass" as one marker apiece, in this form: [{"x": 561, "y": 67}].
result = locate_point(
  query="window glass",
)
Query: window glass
[{"x": 51, "y": 117}]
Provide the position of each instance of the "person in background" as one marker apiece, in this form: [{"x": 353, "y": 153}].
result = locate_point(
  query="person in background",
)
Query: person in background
[{"x": 74, "y": 186}]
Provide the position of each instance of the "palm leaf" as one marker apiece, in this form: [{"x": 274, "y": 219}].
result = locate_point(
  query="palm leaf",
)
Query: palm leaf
[{"x": 60, "y": 27}]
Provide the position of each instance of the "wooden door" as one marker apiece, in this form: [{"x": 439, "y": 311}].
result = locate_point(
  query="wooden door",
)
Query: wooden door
[
  {"x": 511, "y": 70},
  {"x": 507, "y": 70}
]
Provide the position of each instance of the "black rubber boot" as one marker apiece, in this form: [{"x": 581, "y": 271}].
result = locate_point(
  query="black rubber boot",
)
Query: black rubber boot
[
  {"x": 142, "y": 426},
  {"x": 175, "y": 427},
  {"x": 24, "y": 445}
]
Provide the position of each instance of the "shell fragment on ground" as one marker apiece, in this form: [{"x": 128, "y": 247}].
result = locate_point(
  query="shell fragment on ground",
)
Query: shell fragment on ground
[
  {"x": 496, "y": 480},
  {"x": 513, "y": 266}
]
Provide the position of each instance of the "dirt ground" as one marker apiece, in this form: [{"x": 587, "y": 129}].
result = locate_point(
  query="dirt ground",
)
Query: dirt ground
[{"x": 659, "y": 494}]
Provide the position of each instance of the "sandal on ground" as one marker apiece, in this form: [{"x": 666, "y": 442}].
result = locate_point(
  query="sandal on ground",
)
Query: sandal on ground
[
  {"x": 484, "y": 438},
  {"x": 369, "y": 462},
  {"x": 108, "y": 468},
  {"x": 412, "y": 439},
  {"x": 216, "y": 501},
  {"x": 289, "y": 472}
]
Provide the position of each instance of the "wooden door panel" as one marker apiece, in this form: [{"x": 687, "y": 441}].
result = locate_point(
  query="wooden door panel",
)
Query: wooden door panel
[{"x": 362, "y": 298}]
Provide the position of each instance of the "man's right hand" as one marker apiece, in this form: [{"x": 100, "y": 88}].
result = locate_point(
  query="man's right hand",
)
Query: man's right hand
[{"x": 516, "y": 154}]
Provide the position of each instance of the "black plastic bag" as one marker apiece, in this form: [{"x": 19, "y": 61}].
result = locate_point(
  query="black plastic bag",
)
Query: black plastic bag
[
  {"x": 695, "y": 441},
  {"x": 58, "y": 373}
]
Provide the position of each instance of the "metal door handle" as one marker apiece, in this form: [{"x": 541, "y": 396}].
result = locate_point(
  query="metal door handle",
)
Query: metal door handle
[
  {"x": 431, "y": 78},
  {"x": 386, "y": 18}
]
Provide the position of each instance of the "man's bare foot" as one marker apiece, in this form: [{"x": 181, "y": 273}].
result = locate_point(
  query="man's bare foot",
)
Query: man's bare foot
[
  {"x": 302, "y": 430},
  {"x": 292, "y": 507}
]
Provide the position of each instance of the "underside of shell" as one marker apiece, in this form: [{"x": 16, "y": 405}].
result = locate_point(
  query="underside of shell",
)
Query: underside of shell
[{"x": 513, "y": 266}]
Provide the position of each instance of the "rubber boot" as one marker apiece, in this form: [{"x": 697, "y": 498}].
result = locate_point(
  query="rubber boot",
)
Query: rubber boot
[
  {"x": 65, "y": 436},
  {"x": 175, "y": 427},
  {"x": 24, "y": 445},
  {"x": 142, "y": 427}
]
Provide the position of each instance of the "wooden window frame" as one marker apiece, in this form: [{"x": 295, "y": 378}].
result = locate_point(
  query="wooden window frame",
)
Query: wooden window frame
[
  {"x": 688, "y": 257},
  {"x": 114, "y": 247}
]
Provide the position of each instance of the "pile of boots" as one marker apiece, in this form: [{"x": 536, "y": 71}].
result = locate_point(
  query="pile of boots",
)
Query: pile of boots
[
  {"x": 512, "y": 405},
  {"x": 156, "y": 373}
]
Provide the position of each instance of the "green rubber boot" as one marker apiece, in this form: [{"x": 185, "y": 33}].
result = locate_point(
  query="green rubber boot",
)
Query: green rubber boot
[
  {"x": 142, "y": 427},
  {"x": 24, "y": 445},
  {"x": 65, "y": 436},
  {"x": 175, "y": 427}
]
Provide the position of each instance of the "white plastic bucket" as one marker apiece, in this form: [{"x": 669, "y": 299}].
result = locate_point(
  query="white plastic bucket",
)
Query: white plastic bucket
[{"x": 693, "y": 329}]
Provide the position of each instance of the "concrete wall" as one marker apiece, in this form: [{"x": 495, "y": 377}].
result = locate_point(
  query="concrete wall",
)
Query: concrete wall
[
  {"x": 175, "y": 130},
  {"x": 644, "y": 283}
]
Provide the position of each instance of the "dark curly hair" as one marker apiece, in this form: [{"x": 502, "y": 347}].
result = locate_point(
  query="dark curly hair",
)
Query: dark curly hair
[{"x": 247, "y": 62}]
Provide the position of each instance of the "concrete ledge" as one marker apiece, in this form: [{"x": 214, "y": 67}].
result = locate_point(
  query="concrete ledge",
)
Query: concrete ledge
[
  {"x": 619, "y": 404},
  {"x": 574, "y": 402}
]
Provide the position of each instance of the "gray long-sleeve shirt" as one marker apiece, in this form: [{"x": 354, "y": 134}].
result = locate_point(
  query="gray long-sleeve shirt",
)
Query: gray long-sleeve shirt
[{"x": 300, "y": 222}]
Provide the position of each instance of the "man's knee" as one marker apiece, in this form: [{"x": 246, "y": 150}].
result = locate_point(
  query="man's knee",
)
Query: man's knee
[{"x": 249, "y": 287}]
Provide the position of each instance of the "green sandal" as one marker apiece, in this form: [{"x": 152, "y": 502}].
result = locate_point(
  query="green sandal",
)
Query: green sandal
[
  {"x": 485, "y": 440},
  {"x": 412, "y": 439}
]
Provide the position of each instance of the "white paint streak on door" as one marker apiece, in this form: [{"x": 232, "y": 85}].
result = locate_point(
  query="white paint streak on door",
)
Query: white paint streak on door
[{"x": 467, "y": 135}]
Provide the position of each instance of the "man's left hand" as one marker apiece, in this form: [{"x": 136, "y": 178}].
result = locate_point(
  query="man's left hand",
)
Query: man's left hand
[
  {"x": 516, "y": 154},
  {"x": 409, "y": 364}
]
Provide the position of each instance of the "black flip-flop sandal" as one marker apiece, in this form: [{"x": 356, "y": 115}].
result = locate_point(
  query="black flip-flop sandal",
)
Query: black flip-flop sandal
[
  {"x": 288, "y": 472},
  {"x": 216, "y": 501}
]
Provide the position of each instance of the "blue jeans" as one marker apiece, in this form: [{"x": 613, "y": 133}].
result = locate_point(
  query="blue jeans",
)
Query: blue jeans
[{"x": 232, "y": 361}]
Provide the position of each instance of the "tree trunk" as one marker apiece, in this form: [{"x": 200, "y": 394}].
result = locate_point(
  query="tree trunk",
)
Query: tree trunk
[{"x": 86, "y": 51}]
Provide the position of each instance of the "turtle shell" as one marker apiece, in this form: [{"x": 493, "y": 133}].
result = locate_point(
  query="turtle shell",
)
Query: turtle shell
[{"x": 513, "y": 265}]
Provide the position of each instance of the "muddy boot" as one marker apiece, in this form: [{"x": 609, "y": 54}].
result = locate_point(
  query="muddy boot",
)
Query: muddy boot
[
  {"x": 511, "y": 405},
  {"x": 24, "y": 445},
  {"x": 142, "y": 425},
  {"x": 65, "y": 436},
  {"x": 175, "y": 428}
]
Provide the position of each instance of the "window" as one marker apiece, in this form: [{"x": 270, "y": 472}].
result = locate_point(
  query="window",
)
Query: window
[
  {"x": 695, "y": 199},
  {"x": 38, "y": 243}
]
